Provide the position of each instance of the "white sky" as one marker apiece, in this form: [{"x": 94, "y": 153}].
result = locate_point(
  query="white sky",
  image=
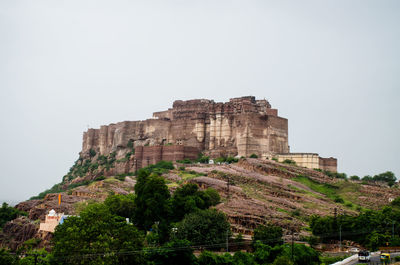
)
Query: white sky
[{"x": 331, "y": 67}]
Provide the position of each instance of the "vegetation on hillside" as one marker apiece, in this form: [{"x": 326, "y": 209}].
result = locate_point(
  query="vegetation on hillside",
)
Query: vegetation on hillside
[
  {"x": 369, "y": 228},
  {"x": 8, "y": 213}
]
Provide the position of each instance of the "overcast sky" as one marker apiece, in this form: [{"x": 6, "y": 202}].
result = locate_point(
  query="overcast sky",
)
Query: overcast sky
[{"x": 331, "y": 67}]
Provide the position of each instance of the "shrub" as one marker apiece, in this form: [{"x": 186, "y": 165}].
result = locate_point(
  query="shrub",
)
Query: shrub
[
  {"x": 100, "y": 178},
  {"x": 8, "y": 213},
  {"x": 268, "y": 234},
  {"x": 121, "y": 177},
  {"x": 289, "y": 161},
  {"x": 349, "y": 204},
  {"x": 296, "y": 212},
  {"x": 387, "y": 177},
  {"x": 282, "y": 260},
  {"x": 185, "y": 161},
  {"x": 275, "y": 159},
  {"x": 354, "y": 177},
  {"x": 208, "y": 227},
  {"x": 339, "y": 200},
  {"x": 92, "y": 153},
  {"x": 130, "y": 143},
  {"x": 203, "y": 159},
  {"x": 253, "y": 156}
]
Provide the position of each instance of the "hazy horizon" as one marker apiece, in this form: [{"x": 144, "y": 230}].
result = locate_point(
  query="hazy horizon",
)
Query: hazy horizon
[{"x": 330, "y": 67}]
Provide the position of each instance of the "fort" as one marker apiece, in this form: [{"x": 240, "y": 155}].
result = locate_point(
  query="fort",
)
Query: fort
[{"x": 241, "y": 127}]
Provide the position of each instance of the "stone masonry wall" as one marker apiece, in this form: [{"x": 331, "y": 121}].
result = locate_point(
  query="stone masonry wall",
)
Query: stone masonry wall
[{"x": 240, "y": 127}]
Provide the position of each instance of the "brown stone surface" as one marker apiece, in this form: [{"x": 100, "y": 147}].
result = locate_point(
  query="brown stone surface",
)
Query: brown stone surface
[{"x": 241, "y": 127}]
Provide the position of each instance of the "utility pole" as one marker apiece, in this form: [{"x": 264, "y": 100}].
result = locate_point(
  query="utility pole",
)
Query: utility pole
[
  {"x": 227, "y": 230},
  {"x": 292, "y": 245},
  {"x": 393, "y": 229},
  {"x": 340, "y": 237},
  {"x": 227, "y": 186}
]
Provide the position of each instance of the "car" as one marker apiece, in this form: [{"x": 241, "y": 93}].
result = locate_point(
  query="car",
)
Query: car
[
  {"x": 364, "y": 256},
  {"x": 353, "y": 250}
]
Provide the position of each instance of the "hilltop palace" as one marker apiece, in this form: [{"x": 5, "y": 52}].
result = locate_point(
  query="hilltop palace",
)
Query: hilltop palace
[{"x": 241, "y": 127}]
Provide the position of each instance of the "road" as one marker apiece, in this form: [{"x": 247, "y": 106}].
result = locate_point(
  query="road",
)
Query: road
[{"x": 375, "y": 260}]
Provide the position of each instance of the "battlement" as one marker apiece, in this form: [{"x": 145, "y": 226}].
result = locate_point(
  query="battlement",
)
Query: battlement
[{"x": 240, "y": 127}]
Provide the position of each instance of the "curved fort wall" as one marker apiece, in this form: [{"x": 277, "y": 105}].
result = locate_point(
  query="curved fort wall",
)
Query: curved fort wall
[{"x": 240, "y": 127}]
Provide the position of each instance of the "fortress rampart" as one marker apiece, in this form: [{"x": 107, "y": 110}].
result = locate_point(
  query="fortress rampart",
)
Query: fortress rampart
[{"x": 240, "y": 127}]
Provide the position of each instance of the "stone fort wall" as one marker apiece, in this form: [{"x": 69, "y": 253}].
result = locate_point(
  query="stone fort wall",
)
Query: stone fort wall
[{"x": 240, "y": 127}]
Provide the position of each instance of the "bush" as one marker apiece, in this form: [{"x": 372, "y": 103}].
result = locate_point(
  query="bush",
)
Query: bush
[
  {"x": 100, "y": 178},
  {"x": 349, "y": 204},
  {"x": 205, "y": 227},
  {"x": 185, "y": 161},
  {"x": 8, "y": 213},
  {"x": 367, "y": 178},
  {"x": 339, "y": 200},
  {"x": 203, "y": 159},
  {"x": 396, "y": 202},
  {"x": 354, "y": 177},
  {"x": 57, "y": 188},
  {"x": 92, "y": 153},
  {"x": 387, "y": 177},
  {"x": 174, "y": 252},
  {"x": 255, "y": 156},
  {"x": 130, "y": 143},
  {"x": 282, "y": 260},
  {"x": 7, "y": 258},
  {"x": 268, "y": 234},
  {"x": 289, "y": 161}
]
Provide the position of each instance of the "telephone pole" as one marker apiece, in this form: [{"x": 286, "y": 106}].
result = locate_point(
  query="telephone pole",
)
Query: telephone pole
[
  {"x": 227, "y": 200},
  {"x": 292, "y": 244},
  {"x": 340, "y": 237}
]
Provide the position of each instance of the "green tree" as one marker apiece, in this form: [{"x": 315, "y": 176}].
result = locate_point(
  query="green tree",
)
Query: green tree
[
  {"x": 265, "y": 254},
  {"x": 367, "y": 178},
  {"x": 209, "y": 258},
  {"x": 152, "y": 201},
  {"x": 92, "y": 153},
  {"x": 396, "y": 202},
  {"x": 97, "y": 237},
  {"x": 122, "y": 205},
  {"x": 175, "y": 252},
  {"x": 354, "y": 177},
  {"x": 7, "y": 258},
  {"x": 268, "y": 234},
  {"x": 32, "y": 257},
  {"x": 213, "y": 195},
  {"x": 302, "y": 254},
  {"x": 204, "y": 227},
  {"x": 8, "y": 213},
  {"x": 189, "y": 198},
  {"x": 243, "y": 258},
  {"x": 282, "y": 260},
  {"x": 387, "y": 177}
]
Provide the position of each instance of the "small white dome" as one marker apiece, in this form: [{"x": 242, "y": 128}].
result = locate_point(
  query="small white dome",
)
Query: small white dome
[{"x": 52, "y": 212}]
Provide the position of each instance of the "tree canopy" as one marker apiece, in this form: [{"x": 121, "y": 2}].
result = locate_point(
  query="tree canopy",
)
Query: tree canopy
[{"x": 97, "y": 237}]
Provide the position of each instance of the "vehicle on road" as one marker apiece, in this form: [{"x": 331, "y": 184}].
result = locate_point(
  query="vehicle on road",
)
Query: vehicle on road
[
  {"x": 364, "y": 256},
  {"x": 385, "y": 258}
]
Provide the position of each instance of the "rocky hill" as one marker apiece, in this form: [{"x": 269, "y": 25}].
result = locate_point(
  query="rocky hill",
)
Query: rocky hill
[{"x": 253, "y": 192}]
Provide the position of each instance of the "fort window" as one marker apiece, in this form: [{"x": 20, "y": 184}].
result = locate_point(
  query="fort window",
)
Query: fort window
[{"x": 179, "y": 142}]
